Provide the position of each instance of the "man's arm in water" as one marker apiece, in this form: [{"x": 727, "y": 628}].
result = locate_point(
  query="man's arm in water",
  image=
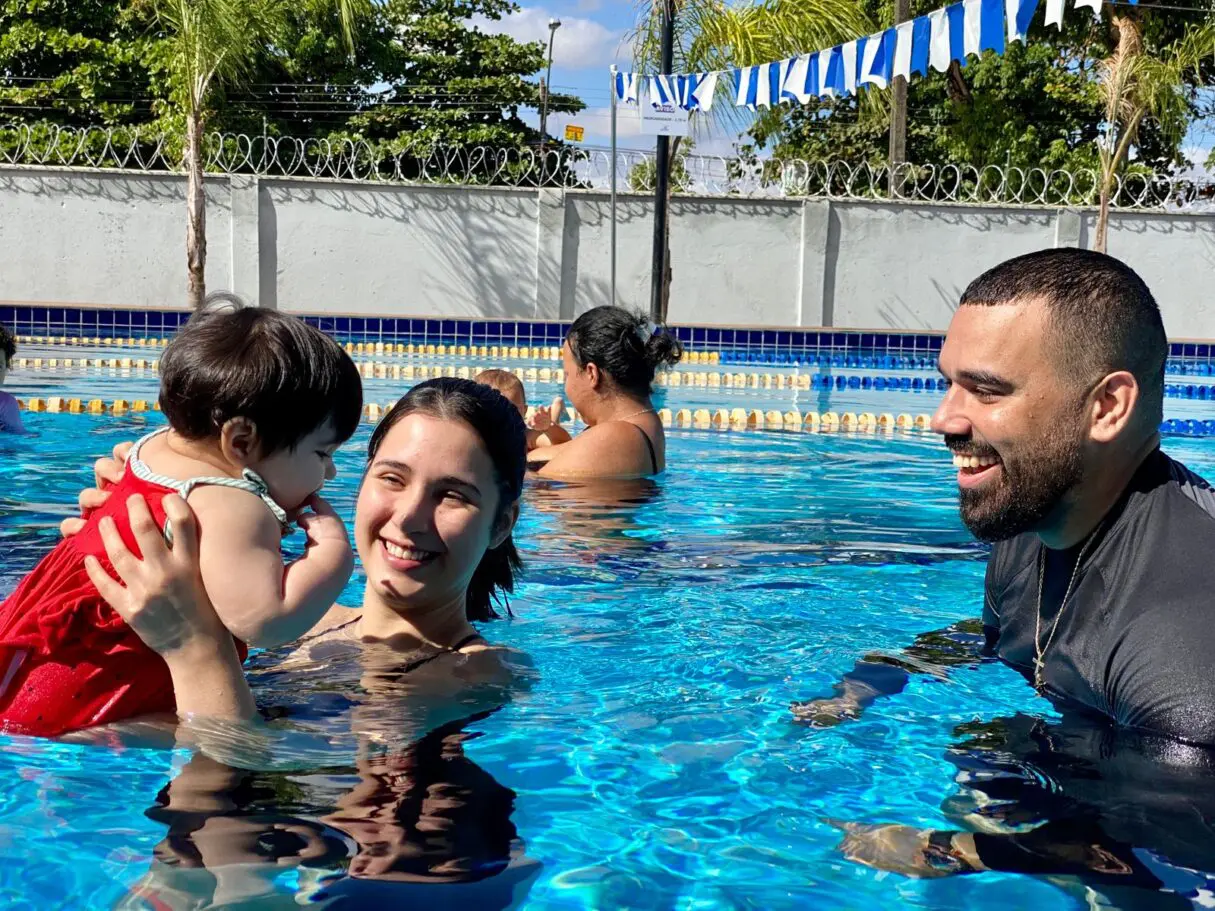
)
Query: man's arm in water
[{"x": 962, "y": 644}]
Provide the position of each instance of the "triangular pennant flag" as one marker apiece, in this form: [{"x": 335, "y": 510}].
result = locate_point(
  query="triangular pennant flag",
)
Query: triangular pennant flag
[
  {"x": 957, "y": 32},
  {"x": 877, "y": 65},
  {"x": 938, "y": 49},
  {"x": 700, "y": 96},
  {"x": 1019, "y": 14},
  {"x": 795, "y": 81},
  {"x": 903, "y": 33},
  {"x": 991, "y": 26},
  {"x": 826, "y": 89},
  {"x": 972, "y": 26},
  {"x": 848, "y": 66},
  {"x": 626, "y": 87},
  {"x": 1054, "y": 13},
  {"x": 921, "y": 45}
]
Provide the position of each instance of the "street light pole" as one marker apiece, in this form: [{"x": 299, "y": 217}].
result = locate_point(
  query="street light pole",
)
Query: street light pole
[{"x": 553, "y": 25}]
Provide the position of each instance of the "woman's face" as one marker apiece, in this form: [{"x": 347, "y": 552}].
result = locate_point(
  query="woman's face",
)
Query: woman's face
[
  {"x": 426, "y": 513},
  {"x": 579, "y": 384}
]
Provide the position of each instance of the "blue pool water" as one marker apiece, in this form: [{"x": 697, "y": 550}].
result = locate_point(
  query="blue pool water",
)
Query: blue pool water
[{"x": 651, "y": 761}]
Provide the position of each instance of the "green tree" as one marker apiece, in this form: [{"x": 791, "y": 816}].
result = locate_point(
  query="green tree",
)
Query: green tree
[
  {"x": 1138, "y": 86},
  {"x": 1042, "y": 104},
  {"x": 717, "y": 35}
]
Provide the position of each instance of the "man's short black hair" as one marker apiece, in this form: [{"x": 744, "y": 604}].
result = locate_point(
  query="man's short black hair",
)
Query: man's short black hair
[
  {"x": 1104, "y": 316},
  {"x": 8, "y": 346},
  {"x": 272, "y": 369}
]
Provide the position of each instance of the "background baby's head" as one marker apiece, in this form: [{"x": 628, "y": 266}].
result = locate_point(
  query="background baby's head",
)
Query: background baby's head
[{"x": 506, "y": 383}]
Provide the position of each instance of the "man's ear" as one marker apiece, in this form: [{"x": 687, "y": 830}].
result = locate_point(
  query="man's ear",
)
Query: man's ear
[{"x": 1112, "y": 406}]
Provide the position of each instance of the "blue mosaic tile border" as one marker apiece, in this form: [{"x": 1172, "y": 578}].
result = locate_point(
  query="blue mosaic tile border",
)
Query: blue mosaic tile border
[{"x": 767, "y": 347}]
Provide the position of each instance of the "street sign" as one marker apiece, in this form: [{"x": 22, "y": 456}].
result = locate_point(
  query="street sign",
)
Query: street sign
[{"x": 573, "y": 133}]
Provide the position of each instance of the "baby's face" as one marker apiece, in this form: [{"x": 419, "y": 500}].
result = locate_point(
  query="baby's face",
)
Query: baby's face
[{"x": 294, "y": 475}]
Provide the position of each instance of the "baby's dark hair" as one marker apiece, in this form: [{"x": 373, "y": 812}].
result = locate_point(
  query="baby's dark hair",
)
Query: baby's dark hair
[
  {"x": 623, "y": 345},
  {"x": 8, "y": 345},
  {"x": 272, "y": 369}
]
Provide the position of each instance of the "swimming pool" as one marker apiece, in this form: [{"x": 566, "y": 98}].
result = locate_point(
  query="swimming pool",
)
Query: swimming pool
[{"x": 652, "y": 764}]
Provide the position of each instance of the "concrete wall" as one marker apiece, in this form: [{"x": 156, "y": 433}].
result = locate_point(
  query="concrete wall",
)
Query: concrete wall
[{"x": 117, "y": 239}]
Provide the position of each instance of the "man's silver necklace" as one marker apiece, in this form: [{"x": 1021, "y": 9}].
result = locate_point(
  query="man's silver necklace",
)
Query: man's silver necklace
[{"x": 1039, "y": 649}]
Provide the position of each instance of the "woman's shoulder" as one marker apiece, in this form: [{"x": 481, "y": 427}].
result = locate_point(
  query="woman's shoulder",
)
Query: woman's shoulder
[
  {"x": 484, "y": 662},
  {"x": 336, "y": 617}
]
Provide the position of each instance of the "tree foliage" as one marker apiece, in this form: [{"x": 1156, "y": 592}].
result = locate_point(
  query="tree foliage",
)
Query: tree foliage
[
  {"x": 1039, "y": 105},
  {"x": 411, "y": 73}
]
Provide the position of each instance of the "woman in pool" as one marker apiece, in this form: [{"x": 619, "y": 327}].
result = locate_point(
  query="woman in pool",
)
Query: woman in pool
[
  {"x": 610, "y": 357},
  {"x": 433, "y": 528}
]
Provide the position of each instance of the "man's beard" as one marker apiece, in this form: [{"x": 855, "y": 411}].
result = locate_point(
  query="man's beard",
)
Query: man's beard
[{"x": 1030, "y": 487}]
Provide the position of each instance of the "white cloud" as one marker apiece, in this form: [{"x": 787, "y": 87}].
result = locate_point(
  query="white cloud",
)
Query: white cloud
[
  {"x": 579, "y": 43},
  {"x": 588, "y": 6}
]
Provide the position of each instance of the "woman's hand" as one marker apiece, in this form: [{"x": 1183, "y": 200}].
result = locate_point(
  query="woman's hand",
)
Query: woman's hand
[
  {"x": 106, "y": 471},
  {"x": 162, "y": 598}
]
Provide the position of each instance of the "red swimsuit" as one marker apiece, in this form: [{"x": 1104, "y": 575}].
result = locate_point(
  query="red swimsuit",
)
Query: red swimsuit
[{"x": 67, "y": 660}]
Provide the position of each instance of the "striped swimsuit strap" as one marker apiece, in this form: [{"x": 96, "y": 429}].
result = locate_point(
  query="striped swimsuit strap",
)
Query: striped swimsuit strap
[{"x": 250, "y": 482}]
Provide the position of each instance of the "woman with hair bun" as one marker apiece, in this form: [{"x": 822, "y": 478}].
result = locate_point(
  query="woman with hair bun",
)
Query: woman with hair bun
[{"x": 610, "y": 357}]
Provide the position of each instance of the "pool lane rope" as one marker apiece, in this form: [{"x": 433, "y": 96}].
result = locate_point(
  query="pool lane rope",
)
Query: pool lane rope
[{"x": 370, "y": 369}]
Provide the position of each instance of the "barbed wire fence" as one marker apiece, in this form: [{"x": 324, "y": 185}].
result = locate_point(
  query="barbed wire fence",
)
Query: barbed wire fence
[{"x": 590, "y": 168}]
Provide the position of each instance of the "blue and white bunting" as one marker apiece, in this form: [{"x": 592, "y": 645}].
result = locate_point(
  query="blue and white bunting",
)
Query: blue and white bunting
[
  {"x": 953, "y": 33},
  {"x": 626, "y": 87}
]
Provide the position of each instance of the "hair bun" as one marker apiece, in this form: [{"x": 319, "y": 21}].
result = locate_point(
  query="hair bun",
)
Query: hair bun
[{"x": 663, "y": 348}]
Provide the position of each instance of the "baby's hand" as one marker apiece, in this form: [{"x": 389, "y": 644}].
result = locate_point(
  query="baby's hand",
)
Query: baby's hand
[
  {"x": 541, "y": 420},
  {"x": 323, "y": 525}
]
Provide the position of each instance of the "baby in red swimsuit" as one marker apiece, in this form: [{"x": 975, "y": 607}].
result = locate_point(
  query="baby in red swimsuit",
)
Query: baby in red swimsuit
[{"x": 257, "y": 402}]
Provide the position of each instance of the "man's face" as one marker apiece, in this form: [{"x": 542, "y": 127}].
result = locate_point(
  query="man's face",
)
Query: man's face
[{"x": 1015, "y": 422}]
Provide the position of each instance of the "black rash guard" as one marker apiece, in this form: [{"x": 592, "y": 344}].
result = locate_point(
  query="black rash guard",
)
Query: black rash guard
[{"x": 1136, "y": 639}]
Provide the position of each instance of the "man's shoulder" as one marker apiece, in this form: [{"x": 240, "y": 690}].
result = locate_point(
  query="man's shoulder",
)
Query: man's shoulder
[{"x": 1186, "y": 484}]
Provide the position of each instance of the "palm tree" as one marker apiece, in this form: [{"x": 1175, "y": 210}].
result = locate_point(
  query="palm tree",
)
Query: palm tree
[
  {"x": 215, "y": 42},
  {"x": 1138, "y": 86},
  {"x": 720, "y": 35}
]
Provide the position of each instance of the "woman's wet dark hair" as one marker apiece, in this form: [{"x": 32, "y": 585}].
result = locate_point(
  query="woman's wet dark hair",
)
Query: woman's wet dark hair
[
  {"x": 503, "y": 434},
  {"x": 623, "y": 345},
  {"x": 285, "y": 376}
]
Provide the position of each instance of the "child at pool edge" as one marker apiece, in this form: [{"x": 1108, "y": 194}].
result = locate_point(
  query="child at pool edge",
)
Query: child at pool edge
[
  {"x": 546, "y": 429},
  {"x": 257, "y": 402},
  {"x": 10, "y": 412}
]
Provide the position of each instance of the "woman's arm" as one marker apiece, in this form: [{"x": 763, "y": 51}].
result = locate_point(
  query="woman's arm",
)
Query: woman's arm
[{"x": 162, "y": 598}]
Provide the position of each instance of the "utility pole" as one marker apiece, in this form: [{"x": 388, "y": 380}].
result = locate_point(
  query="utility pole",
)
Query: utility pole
[
  {"x": 662, "y": 174},
  {"x": 553, "y": 25},
  {"x": 898, "y": 114}
]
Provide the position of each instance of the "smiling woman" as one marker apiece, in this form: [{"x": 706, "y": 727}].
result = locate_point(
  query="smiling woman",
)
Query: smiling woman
[{"x": 433, "y": 527}]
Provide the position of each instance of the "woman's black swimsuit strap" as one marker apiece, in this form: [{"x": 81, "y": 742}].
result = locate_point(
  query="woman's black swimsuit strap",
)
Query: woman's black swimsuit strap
[{"x": 649, "y": 444}]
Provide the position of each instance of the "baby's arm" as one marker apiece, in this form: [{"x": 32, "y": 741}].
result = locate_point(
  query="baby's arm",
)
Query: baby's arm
[{"x": 260, "y": 602}]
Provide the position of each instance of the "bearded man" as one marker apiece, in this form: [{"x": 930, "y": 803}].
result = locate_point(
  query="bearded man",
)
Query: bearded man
[{"x": 1099, "y": 584}]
